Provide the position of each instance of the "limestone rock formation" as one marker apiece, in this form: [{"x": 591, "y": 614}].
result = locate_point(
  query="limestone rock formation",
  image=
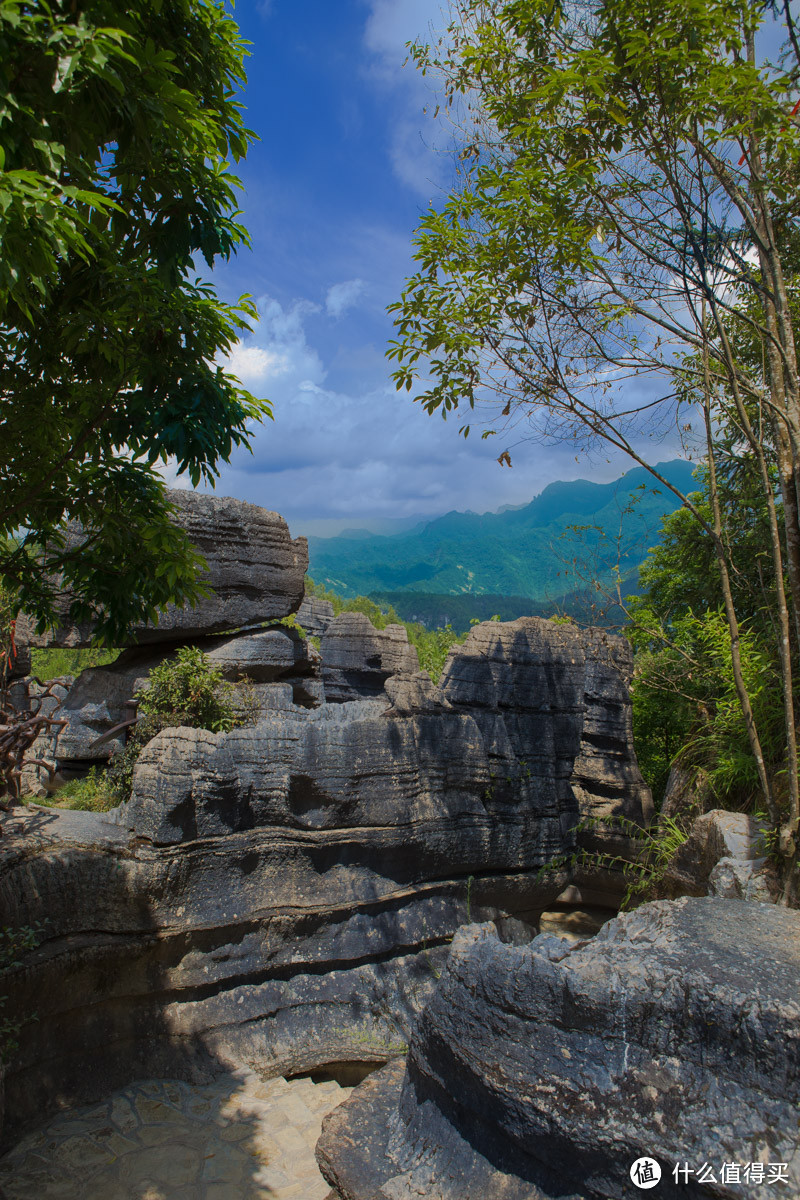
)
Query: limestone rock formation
[
  {"x": 255, "y": 571},
  {"x": 314, "y": 615},
  {"x": 724, "y": 855},
  {"x": 284, "y": 894},
  {"x": 357, "y": 658},
  {"x": 276, "y": 662},
  {"x": 547, "y": 1070}
]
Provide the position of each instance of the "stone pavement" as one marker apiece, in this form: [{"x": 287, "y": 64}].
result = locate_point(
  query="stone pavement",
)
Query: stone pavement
[{"x": 240, "y": 1138}]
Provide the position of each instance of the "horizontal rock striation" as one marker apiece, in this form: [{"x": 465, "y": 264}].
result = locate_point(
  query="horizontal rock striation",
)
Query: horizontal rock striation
[
  {"x": 255, "y": 572},
  {"x": 546, "y": 1071},
  {"x": 357, "y": 659},
  {"x": 284, "y": 894}
]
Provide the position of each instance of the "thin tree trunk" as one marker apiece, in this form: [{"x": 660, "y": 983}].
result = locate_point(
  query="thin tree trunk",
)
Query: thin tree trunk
[{"x": 730, "y": 608}]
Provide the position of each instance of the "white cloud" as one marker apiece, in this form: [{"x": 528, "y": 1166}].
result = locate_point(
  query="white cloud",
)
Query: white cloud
[
  {"x": 393, "y": 23},
  {"x": 277, "y": 349},
  {"x": 254, "y": 364},
  {"x": 342, "y": 296},
  {"x": 419, "y": 146}
]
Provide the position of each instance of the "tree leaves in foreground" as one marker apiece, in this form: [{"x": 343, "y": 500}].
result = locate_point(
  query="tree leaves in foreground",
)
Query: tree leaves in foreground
[
  {"x": 117, "y": 124},
  {"x": 626, "y": 215}
]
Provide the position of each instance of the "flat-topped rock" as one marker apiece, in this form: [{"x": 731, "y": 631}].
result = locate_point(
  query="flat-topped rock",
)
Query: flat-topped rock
[
  {"x": 255, "y": 571},
  {"x": 547, "y": 1070},
  {"x": 315, "y": 615},
  {"x": 357, "y": 658}
]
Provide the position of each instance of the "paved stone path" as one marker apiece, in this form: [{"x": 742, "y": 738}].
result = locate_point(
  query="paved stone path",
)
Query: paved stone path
[{"x": 240, "y": 1138}]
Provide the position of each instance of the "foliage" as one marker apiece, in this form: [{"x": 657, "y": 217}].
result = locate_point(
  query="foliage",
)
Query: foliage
[
  {"x": 656, "y": 846},
  {"x": 185, "y": 689},
  {"x": 642, "y": 867},
  {"x": 626, "y": 209},
  {"x": 92, "y": 793},
  {"x": 685, "y": 703},
  {"x": 53, "y": 663},
  {"x": 188, "y": 685},
  {"x": 116, "y": 124}
]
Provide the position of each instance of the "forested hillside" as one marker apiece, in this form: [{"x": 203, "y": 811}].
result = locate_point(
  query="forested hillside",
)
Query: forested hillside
[{"x": 568, "y": 535}]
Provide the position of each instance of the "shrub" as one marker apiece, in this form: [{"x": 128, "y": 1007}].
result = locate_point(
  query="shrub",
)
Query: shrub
[
  {"x": 186, "y": 689},
  {"x": 93, "y": 793}
]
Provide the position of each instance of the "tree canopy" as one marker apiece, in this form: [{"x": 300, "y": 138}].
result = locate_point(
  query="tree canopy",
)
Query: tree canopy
[
  {"x": 619, "y": 254},
  {"x": 117, "y": 127}
]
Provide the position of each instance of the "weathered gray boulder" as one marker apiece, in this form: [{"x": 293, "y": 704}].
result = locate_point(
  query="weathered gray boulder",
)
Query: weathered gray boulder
[
  {"x": 724, "y": 855},
  {"x": 547, "y": 1070},
  {"x": 255, "y": 571},
  {"x": 284, "y": 894},
  {"x": 315, "y": 615},
  {"x": 357, "y": 658}
]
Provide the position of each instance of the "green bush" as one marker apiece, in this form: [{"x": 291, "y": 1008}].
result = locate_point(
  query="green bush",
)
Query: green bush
[
  {"x": 190, "y": 687},
  {"x": 186, "y": 689}
]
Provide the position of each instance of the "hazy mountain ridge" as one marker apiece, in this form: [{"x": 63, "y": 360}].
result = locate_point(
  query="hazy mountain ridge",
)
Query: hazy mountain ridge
[{"x": 526, "y": 551}]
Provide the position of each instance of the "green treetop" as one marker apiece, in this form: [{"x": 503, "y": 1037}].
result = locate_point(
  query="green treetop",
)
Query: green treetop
[{"x": 117, "y": 124}]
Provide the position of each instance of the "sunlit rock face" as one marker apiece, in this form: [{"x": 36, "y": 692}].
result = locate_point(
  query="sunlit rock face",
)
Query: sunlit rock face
[
  {"x": 255, "y": 573},
  {"x": 285, "y": 894},
  {"x": 547, "y": 1070}
]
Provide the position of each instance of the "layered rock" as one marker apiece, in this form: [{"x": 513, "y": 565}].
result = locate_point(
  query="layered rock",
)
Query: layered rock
[
  {"x": 255, "y": 572},
  {"x": 276, "y": 662},
  {"x": 315, "y": 615},
  {"x": 357, "y": 658},
  {"x": 284, "y": 894},
  {"x": 724, "y": 855},
  {"x": 547, "y": 1070}
]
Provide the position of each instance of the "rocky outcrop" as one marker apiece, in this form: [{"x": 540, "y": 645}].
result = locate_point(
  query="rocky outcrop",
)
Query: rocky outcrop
[
  {"x": 547, "y": 1070},
  {"x": 724, "y": 855},
  {"x": 284, "y": 894},
  {"x": 357, "y": 658},
  {"x": 255, "y": 572},
  {"x": 314, "y": 615},
  {"x": 276, "y": 663}
]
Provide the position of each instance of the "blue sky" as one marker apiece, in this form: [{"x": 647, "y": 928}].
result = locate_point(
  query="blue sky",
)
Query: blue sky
[{"x": 346, "y": 164}]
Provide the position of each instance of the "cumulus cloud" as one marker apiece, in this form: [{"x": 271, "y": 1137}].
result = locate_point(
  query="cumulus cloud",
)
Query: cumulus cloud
[
  {"x": 343, "y": 296},
  {"x": 277, "y": 349},
  {"x": 365, "y": 452},
  {"x": 253, "y": 364}
]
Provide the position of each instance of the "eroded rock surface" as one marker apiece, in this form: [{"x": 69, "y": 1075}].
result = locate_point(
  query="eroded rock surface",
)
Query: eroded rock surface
[
  {"x": 284, "y": 894},
  {"x": 357, "y": 658},
  {"x": 315, "y": 615},
  {"x": 255, "y": 571},
  {"x": 724, "y": 855},
  {"x": 546, "y": 1070}
]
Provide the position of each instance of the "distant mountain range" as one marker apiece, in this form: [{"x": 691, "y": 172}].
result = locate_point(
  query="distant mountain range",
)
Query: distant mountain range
[{"x": 568, "y": 535}]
